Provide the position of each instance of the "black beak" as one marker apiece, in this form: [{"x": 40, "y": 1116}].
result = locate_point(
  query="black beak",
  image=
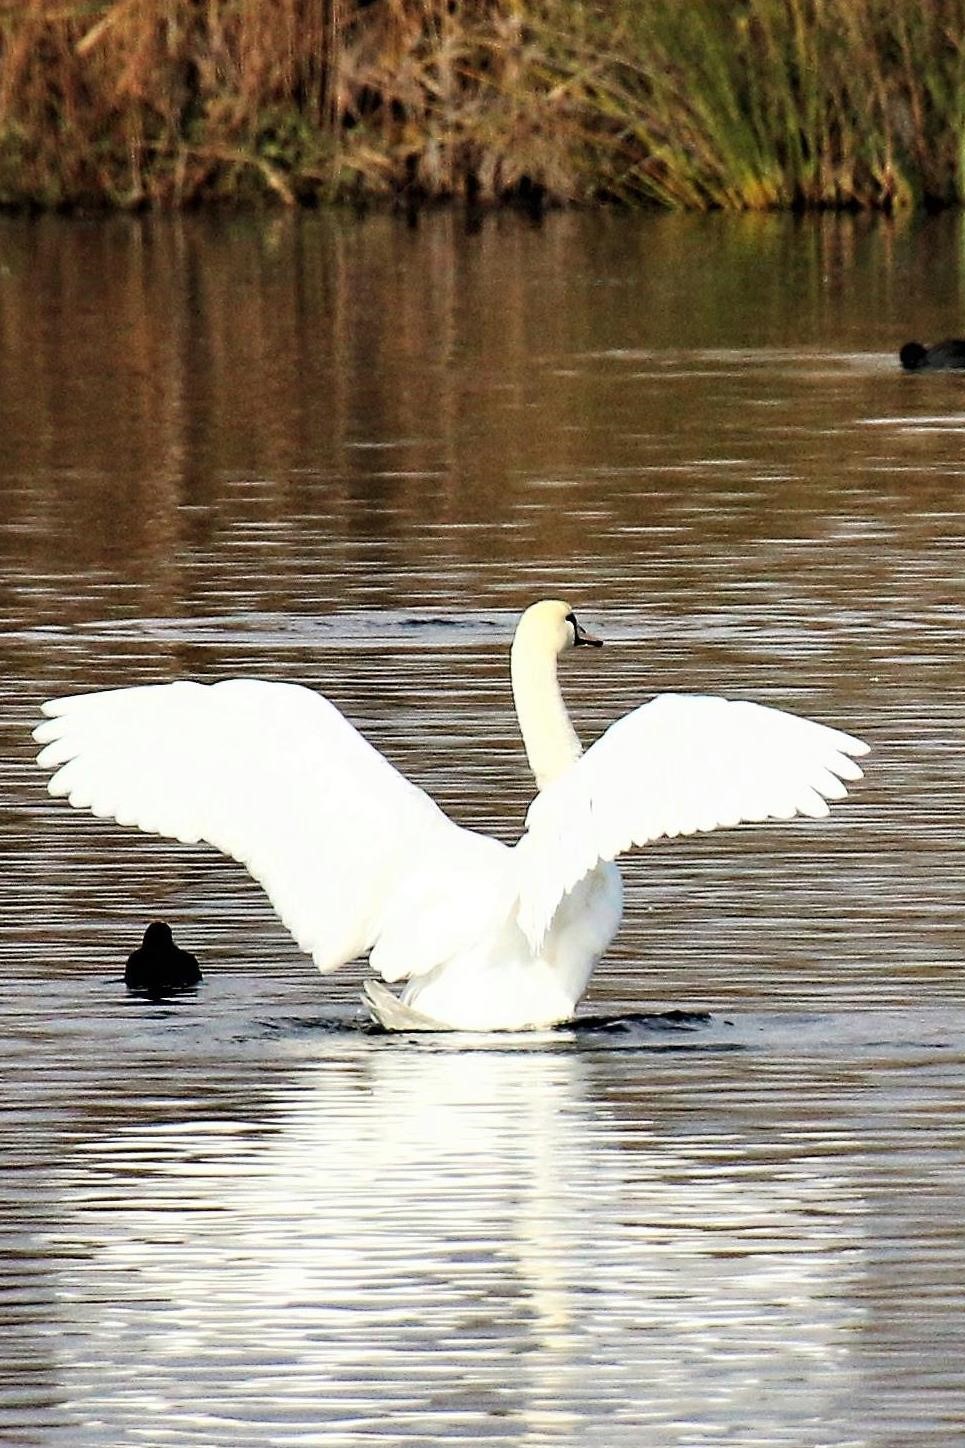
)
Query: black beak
[{"x": 580, "y": 635}]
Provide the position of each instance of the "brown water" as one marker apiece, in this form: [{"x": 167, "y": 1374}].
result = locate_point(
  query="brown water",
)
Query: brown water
[{"x": 348, "y": 453}]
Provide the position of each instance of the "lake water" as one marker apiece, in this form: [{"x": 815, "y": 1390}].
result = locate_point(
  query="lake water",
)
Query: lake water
[{"x": 348, "y": 452}]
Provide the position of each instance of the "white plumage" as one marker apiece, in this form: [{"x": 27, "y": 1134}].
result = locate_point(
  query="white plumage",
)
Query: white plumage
[{"x": 357, "y": 859}]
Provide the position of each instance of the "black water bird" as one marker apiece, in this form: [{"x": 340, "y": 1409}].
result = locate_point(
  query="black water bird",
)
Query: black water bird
[
  {"x": 159, "y": 965},
  {"x": 942, "y": 357}
]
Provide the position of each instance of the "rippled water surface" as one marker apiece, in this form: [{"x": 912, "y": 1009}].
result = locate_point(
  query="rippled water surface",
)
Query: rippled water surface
[{"x": 347, "y": 452}]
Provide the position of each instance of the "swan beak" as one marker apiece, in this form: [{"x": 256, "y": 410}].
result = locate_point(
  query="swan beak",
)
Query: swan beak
[{"x": 580, "y": 636}]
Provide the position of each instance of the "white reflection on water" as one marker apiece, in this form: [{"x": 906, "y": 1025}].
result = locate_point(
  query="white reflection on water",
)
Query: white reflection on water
[{"x": 456, "y": 1245}]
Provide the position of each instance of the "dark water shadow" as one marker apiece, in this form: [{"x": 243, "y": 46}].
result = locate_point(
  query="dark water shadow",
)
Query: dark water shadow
[
  {"x": 788, "y": 1034},
  {"x": 626, "y": 1030}
]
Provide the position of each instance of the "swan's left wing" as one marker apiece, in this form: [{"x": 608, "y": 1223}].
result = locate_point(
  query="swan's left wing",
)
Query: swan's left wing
[
  {"x": 351, "y": 854},
  {"x": 677, "y": 765}
]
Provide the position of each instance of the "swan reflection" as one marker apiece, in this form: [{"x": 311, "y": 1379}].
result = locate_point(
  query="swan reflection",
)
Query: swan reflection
[{"x": 463, "y": 1243}]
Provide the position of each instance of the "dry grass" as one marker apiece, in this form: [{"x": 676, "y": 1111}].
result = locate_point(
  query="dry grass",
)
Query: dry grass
[{"x": 736, "y": 103}]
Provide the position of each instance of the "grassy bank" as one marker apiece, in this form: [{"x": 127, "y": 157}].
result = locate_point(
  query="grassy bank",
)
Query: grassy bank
[{"x": 695, "y": 103}]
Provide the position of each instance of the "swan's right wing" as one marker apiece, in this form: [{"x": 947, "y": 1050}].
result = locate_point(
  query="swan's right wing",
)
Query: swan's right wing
[
  {"x": 680, "y": 764},
  {"x": 273, "y": 775}
]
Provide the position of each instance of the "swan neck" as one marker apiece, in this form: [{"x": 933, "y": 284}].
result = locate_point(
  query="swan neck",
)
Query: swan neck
[{"x": 549, "y": 737}]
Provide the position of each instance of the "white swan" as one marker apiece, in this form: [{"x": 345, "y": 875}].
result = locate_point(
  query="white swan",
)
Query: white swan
[{"x": 356, "y": 859}]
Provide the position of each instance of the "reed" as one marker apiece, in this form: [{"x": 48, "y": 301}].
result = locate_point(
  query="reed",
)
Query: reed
[
  {"x": 690, "y": 103},
  {"x": 779, "y": 103}
]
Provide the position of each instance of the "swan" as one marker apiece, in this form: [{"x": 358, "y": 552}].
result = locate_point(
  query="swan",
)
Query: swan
[
  {"x": 942, "y": 357},
  {"x": 356, "y": 859}
]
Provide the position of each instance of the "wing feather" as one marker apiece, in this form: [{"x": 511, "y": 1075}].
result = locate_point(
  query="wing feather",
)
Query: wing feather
[
  {"x": 274, "y": 776},
  {"x": 678, "y": 765}
]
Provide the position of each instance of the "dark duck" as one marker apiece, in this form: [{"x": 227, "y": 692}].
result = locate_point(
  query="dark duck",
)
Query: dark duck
[
  {"x": 159, "y": 965},
  {"x": 942, "y": 357}
]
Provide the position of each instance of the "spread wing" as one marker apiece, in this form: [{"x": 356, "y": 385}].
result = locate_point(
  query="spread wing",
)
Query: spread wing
[
  {"x": 678, "y": 764},
  {"x": 350, "y": 853}
]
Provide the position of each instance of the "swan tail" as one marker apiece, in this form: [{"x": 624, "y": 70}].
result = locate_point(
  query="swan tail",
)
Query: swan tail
[{"x": 392, "y": 1014}]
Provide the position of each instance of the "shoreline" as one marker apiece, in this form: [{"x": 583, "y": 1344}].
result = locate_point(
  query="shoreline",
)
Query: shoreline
[{"x": 763, "y": 105}]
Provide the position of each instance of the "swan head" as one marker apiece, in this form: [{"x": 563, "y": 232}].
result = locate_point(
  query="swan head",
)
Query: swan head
[
  {"x": 545, "y": 631},
  {"x": 551, "y": 627}
]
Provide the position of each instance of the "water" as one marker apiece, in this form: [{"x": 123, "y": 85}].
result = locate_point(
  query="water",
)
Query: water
[{"x": 348, "y": 453}]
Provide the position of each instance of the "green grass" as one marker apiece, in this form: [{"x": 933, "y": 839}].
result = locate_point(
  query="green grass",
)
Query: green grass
[
  {"x": 808, "y": 103},
  {"x": 748, "y": 104}
]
